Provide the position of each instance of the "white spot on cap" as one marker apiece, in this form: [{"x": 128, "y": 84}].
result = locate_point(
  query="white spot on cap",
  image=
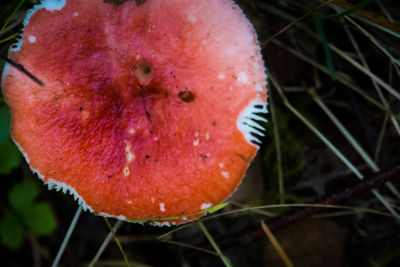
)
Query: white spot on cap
[
  {"x": 131, "y": 131},
  {"x": 153, "y": 199},
  {"x": 129, "y": 155},
  {"x": 192, "y": 18},
  {"x": 205, "y": 206},
  {"x": 208, "y": 155},
  {"x": 126, "y": 171},
  {"x": 32, "y": 38},
  {"x": 196, "y": 134},
  {"x": 259, "y": 87},
  {"x": 256, "y": 66},
  {"x": 207, "y": 136},
  {"x": 129, "y": 202},
  {"x": 251, "y": 38},
  {"x": 196, "y": 142},
  {"x": 184, "y": 218},
  {"x": 221, "y": 76},
  {"x": 225, "y": 174},
  {"x": 75, "y": 14},
  {"x": 221, "y": 165},
  {"x": 162, "y": 207},
  {"x": 242, "y": 78}
]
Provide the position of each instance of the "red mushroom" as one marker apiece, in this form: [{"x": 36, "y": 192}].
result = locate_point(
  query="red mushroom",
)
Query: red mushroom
[{"x": 147, "y": 111}]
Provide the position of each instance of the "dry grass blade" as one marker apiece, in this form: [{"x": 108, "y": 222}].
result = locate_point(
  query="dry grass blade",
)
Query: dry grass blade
[
  {"x": 188, "y": 246},
  {"x": 105, "y": 244},
  {"x": 276, "y": 245},
  {"x": 329, "y": 144},
  {"x": 369, "y": 16},
  {"x": 266, "y": 42}
]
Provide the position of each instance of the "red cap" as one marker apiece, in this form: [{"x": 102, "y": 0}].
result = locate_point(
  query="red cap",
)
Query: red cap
[{"x": 147, "y": 111}]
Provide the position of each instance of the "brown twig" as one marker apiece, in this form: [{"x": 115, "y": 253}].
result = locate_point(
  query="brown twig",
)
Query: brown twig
[{"x": 365, "y": 185}]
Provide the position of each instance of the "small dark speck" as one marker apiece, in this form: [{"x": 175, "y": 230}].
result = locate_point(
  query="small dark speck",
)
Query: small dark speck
[
  {"x": 109, "y": 176},
  {"x": 213, "y": 123},
  {"x": 80, "y": 108},
  {"x": 151, "y": 132},
  {"x": 147, "y": 156},
  {"x": 9, "y": 75},
  {"x": 203, "y": 156},
  {"x": 156, "y": 160}
]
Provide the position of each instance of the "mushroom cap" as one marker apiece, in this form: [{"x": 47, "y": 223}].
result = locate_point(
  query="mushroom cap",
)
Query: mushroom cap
[{"x": 147, "y": 111}]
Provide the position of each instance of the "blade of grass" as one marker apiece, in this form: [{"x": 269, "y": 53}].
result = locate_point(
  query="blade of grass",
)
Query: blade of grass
[
  {"x": 384, "y": 10},
  {"x": 105, "y": 243},
  {"x": 378, "y": 80},
  {"x": 188, "y": 246},
  {"x": 117, "y": 241},
  {"x": 277, "y": 147},
  {"x": 368, "y": 17},
  {"x": 223, "y": 258},
  {"x": 321, "y": 33},
  {"x": 374, "y": 41},
  {"x": 276, "y": 245},
  {"x": 341, "y": 78},
  {"x": 381, "y": 137},
  {"x": 9, "y": 38},
  {"x": 353, "y": 142},
  {"x": 67, "y": 236},
  {"x": 329, "y": 144},
  {"x": 266, "y": 42},
  {"x": 11, "y": 16}
]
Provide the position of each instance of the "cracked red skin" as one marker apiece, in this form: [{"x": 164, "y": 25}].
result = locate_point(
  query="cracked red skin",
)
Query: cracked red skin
[{"x": 76, "y": 128}]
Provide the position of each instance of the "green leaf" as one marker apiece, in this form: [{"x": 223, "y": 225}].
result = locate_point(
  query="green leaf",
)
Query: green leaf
[
  {"x": 23, "y": 194},
  {"x": 216, "y": 208},
  {"x": 4, "y": 124},
  {"x": 40, "y": 218},
  {"x": 10, "y": 157},
  {"x": 11, "y": 232}
]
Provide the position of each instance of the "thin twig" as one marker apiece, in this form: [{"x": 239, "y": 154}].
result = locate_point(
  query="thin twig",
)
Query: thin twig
[{"x": 367, "y": 184}]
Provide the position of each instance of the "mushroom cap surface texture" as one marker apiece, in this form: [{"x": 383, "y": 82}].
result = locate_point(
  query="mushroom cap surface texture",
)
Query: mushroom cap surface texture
[{"x": 147, "y": 111}]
